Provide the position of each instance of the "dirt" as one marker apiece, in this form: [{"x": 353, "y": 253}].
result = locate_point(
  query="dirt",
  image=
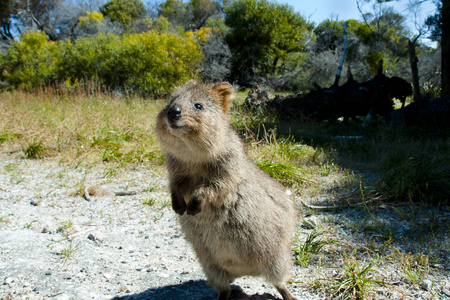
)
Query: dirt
[{"x": 55, "y": 244}]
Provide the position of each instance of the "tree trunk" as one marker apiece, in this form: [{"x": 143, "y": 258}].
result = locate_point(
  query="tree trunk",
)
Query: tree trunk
[
  {"x": 414, "y": 70},
  {"x": 274, "y": 65},
  {"x": 341, "y": 62},
  {"x": 445, "y": 47}
]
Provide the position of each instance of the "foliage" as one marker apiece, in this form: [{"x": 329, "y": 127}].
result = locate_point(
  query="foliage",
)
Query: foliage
[
  {"x": 379, "y": 39},
  {"x": 174, "y": 11},
  {"x": 161, "y": 24},
  {"x": 313, "y": 244},
  {"x": 31, "y": 60},
  {"x": 94, "y": 16},
  {"x": 414, "y": 268},
  {"x": 356, "y": 280},
  {"x": 80, "y": 128},
  {"x": 434, "y": 22},
  {"x": 149, "y": 62},
  {"x": 34, "y": 150},
  {"x": 6, "y": 8},
  {"x": 261, "y": 35},
  {"x": 58, "y": 19},
  {"x": 242, "y": 41},
  {"x": 191, "y": 15},
  {"x": 123, "y": 11},
  {"x": 425, "y": 178},
  {"x": 217, "y": 62}
]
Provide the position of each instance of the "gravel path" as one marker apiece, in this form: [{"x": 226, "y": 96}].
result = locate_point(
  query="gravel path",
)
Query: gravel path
[
  {"x": 55, "y": 244},
  {"x": 60, "y": 246}
]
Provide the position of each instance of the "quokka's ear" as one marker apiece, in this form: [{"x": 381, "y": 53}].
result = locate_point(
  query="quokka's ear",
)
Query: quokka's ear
[{"x": 225, "y": 92}]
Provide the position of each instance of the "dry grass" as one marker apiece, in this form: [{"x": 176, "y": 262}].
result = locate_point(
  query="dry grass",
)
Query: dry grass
[
  {"x": 394, "y": 246},
  {"x": 80, "y": 128}
]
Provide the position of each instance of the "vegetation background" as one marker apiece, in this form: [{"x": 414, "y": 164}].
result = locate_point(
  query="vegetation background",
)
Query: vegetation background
[{"x": 81, "y": 83}]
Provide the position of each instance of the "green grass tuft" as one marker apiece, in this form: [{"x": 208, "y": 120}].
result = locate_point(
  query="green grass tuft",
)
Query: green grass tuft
[
  {"x": 313, "y": 244},
  {"x": 356, "y": 280}
]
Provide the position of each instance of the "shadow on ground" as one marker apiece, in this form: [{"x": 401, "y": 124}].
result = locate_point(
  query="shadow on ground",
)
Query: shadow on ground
[{"x": 198, "y": 290}]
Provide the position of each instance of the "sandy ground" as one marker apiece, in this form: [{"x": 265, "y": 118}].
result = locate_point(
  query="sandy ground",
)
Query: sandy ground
[{"x": 57, "y": 245}]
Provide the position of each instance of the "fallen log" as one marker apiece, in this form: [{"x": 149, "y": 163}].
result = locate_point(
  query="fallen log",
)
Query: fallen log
[
  {"x": 350, "y": 100},
  {"x": 433, "y": 112}
]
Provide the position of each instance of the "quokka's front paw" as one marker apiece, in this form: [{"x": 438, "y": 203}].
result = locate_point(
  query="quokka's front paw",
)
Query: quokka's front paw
[
  {"x": 194, "y": 206},
  {"x": 178, "y": 204}
]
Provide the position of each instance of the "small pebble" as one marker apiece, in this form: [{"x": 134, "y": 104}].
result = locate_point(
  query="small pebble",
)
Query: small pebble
[
  {"x": 426, "y": 285},
  {"x": 47, "y": 229},
  {"x": 35, "y": 202},
  {"x": 446, "y": 292},
  {"x": 95, "y": 237}
]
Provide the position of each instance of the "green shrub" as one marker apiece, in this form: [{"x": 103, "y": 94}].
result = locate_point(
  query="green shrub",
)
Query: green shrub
[
  {"x": 31, "y": 61},
  {"x": 148, "y": 63},
  {"x": 416, "y": 178}
]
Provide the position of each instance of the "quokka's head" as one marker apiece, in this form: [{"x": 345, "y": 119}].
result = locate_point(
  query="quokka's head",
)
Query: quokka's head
[{"x": 195, "y": 120}]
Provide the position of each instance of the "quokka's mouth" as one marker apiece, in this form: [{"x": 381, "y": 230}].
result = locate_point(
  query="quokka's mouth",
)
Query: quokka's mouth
[{"x": 174, "y": 124}]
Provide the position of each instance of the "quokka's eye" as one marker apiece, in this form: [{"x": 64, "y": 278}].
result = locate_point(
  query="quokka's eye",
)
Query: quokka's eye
[{"x": 198, "y": 106}]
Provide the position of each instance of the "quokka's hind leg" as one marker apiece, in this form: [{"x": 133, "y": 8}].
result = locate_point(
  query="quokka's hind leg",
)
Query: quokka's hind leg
[
  {"x": 282, "y": 289},
  {"x": 219, "y": 279},
  {"x": 277, "y": 273}
]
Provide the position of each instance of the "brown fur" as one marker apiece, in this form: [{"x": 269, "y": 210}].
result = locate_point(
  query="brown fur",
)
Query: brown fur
[{"x": 237, "y": 218}]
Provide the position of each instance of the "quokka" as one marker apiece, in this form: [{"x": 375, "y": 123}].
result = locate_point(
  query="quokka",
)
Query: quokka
[{"x": 238, "y": 219}]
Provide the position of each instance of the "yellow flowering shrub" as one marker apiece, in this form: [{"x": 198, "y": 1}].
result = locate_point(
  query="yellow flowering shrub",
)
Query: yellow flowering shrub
[{"x": 149, "y": 63}]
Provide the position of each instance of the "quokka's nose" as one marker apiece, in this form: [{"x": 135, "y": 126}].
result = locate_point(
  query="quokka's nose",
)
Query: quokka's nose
[{"x": 174, "y": 113}]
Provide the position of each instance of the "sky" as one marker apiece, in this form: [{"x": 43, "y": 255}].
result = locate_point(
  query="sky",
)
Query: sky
[{"x": 319, "y": 10}]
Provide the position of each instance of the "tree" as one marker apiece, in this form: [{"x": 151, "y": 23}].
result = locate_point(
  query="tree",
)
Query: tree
[
  {"x": 57, "y": 18},
  {"x": 123, "y": 11},
  {"x": 5, "y": 20},
  {"x": 201, "y": 11},
  {"x": 385, "y": 33},
  {"x": 174, "y": 11},
  {"x": 191, "y": 15},
  {"x": 411, "y": 39},
  {"x": 438, "y": 24},
  {"x": 217, "y": 62},
  {"x": 262, "y": 34},
  {"x": 434, "y": 23},
  {"x": 445, "y": 47}
]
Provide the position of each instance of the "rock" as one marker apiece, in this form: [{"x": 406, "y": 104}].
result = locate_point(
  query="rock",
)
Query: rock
[
  {"x": 446, "y": 292},
  {"x": 49, "y": 229},
  {"x": 426, "y": 285},
  {"x": 35, "y": 202},
  {"x": 8, "y": 281},
  {"x": 95, "y": 237}
]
